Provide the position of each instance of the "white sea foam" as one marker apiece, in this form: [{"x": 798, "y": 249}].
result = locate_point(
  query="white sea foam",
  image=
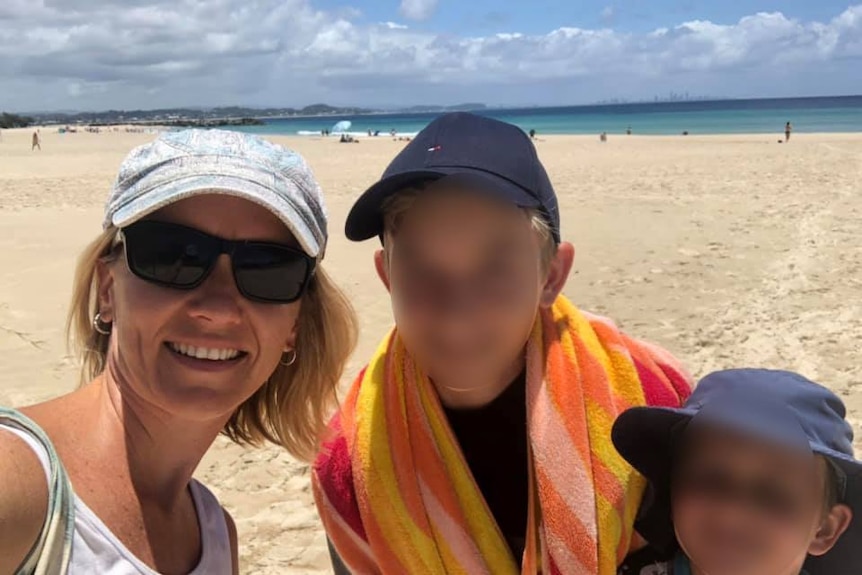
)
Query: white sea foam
[{"x": 358, "y": 134}]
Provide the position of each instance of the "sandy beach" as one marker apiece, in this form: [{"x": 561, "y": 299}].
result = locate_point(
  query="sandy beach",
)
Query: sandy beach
[{"x": 728, "y": 250}]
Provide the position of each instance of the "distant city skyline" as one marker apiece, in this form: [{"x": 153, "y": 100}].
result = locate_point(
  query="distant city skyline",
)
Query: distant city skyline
[
  {"x": 407, "y": 108},
  {"x": 94, "y": 55}
]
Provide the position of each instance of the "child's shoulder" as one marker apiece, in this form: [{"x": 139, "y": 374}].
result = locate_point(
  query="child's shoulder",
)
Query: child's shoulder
[{"x": 647, "y": 561}]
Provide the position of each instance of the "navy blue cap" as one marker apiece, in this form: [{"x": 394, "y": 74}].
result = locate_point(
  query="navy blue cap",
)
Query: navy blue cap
[
  {"x": 779, "y": 407},
  {"x": 487, "y": 154}
]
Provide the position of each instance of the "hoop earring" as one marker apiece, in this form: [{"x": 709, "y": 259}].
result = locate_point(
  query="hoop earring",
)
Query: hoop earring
[
  {"x": 98, "y": 325},
  {"x": 292, "y": 354}
]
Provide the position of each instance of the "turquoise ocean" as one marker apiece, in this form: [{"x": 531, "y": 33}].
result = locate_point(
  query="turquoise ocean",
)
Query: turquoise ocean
[{"x": 830, "y": 114}]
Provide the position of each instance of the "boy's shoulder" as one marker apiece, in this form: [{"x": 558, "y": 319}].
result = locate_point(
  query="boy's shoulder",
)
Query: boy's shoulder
[{"x": 647, "y": 561}]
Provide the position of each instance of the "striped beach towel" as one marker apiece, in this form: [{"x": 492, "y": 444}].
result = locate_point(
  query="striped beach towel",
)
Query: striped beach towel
[{"x": 397, "y": 497}]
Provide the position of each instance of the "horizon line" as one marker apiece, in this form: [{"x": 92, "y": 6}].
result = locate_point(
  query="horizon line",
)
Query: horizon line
[{"x": 609, "y": 102}]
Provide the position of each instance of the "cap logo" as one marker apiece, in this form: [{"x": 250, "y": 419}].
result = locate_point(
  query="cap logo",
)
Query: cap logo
[{"x": 436, "y": 148}]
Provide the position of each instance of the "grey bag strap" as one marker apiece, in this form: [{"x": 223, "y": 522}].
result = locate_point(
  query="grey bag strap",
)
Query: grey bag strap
[{"x": 52, "y": 551}]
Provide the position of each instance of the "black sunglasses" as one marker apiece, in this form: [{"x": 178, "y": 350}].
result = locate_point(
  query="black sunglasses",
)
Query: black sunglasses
[{"x": 179, "y": 257}]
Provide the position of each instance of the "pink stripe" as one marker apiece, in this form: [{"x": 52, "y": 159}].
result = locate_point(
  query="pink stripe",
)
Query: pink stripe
[
  {"x": 459, "y": 542},
  {"x": 558, "y": 458},
  {"x": 334, "y": 517},
  {"x": 656, "y": 392}
]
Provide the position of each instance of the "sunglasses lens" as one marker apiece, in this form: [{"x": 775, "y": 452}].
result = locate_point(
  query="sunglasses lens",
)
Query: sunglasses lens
[
  {"x": 169, "y": 255},
  {"x": 180, "y": 257},
  {"x": 271, "y": 273}
]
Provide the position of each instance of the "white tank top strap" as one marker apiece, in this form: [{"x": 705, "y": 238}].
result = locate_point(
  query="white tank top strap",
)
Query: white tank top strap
[
  {"x": 215, "y": 539},
  {"x": 52, "y": 550},
  {"x": 34, "y": 445}
]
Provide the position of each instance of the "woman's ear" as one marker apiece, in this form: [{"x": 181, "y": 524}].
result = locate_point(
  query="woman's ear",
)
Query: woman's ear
[
  {"x": 834, "y": 524},
  {"x": 558, "y": 272},
  {"x": 105, "y": 295},
  {"x": 381, "y": 264},
  {"x": 290, "y": 342}
]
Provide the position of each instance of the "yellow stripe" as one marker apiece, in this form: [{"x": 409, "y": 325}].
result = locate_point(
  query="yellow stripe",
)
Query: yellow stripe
[
  {"x": 610, "y": 530},
  {"x": 594, "y": 347},
  {"x": 601, "y": 445},
  {"x": 480, "y": 525},
  {"x": 373, "y": 438},
  {"x": 627, "y": 384},
  {"x": 634, "y": 494}
]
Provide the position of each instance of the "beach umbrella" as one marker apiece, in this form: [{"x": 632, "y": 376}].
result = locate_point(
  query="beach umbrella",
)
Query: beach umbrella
[{"x": 341, "y": 126}]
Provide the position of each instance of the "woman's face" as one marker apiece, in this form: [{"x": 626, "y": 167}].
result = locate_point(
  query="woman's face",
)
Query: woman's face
[{"x": 158, "y": 330}]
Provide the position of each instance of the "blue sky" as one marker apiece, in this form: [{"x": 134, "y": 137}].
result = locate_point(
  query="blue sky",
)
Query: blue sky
[
  {"x": 541, "y": 16},
  {"x": 97, "y": 54}
]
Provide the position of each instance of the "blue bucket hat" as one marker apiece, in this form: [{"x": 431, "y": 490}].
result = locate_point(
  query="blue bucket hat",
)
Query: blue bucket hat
[
  {"x": 186, "y": 163},
  {"x": 779, "y": 407}
]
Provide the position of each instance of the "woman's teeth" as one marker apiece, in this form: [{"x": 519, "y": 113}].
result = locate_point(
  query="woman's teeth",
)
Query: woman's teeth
[{"x": 211, "y": 354}]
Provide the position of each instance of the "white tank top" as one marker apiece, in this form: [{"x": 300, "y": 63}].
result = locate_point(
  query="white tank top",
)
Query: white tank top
[{"x": 96, "y": 550}]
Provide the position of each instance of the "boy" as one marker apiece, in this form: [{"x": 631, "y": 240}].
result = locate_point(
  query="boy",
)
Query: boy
[
  {"x": 477, "y": 440},
  {"x": 754, "y": 475}
]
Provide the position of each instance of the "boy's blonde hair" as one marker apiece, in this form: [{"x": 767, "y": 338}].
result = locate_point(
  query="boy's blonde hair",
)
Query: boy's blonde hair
[
  {"x": 292, "y": 407},
  {"x": 398, "y": 204}
]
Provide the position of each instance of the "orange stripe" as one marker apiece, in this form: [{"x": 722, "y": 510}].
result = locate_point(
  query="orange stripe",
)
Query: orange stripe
[
  {"x": 559, "y": 518},
  {"x": 564, "y": 383},
  {"x": 598, "y": 391}
]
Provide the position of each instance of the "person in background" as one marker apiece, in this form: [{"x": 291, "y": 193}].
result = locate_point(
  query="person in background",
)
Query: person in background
[
  {"x": 36, "y": 141},
  {"x": 787, "y": 130},
  {"x": 477, "y": 439},
  {"x": 201, "y": 309}
]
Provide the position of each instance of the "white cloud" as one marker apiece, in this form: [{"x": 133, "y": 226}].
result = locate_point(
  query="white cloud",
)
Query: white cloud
[
  {"x": 608, "y": 13},
  {"x": 418, "y": 9},
  {"x": 151, "y": 53}
]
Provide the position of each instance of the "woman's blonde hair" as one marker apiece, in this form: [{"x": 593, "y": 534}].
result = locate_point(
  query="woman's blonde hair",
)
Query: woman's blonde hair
[{"x": 292, "y": 407}]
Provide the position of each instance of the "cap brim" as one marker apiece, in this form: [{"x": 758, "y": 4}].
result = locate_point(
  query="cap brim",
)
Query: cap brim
[
  {"x": 644, "y": 436},
  {"x": 174, "y": 191},
  {"x": 365, "y": 219}
]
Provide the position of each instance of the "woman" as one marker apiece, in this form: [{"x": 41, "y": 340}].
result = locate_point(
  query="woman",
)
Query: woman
[{"x": 201, "y": 309}]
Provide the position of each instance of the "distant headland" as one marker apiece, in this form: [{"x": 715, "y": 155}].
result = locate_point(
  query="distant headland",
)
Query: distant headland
[{"x": 210, "y": 117}]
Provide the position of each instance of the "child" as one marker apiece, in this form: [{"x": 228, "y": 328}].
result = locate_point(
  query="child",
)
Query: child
[
  {"x": 478, "y": 438},
  {"x": 754, "y": 475}
]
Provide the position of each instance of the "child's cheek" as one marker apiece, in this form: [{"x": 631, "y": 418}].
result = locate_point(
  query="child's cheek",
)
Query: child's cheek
[{"x": 688, "y": 516}]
